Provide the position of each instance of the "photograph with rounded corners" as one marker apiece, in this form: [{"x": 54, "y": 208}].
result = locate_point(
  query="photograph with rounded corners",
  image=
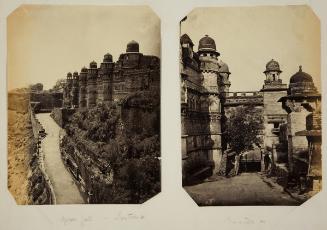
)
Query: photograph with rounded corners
[
  {"x": 83, "y": 104},
  {"x": 251, "y": 105}
]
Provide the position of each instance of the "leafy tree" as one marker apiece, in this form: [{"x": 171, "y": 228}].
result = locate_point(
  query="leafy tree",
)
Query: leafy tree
[
  {"x": 36, "y": 87},
  {"x": 59, "y": 86},
  {"x": 243, "y": 129}
]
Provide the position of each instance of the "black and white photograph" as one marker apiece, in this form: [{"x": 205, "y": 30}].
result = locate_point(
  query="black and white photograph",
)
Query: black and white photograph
[
  {"x": 250, "y": 105},
  {"x": 83, "y": 104},
  {"x": 164, "y": 115}
]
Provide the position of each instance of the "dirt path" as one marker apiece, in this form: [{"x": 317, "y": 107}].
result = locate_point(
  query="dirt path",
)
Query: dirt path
[
  {"x": 65, "y": 189},
  {"x": 245, "y": 189}
]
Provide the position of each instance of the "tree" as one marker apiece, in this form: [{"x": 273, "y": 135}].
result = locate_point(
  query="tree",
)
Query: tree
[
  {"x": 243, "y": 130},
  {"x": 36, "y": 87},
  {"x": 59, "y": 86}
]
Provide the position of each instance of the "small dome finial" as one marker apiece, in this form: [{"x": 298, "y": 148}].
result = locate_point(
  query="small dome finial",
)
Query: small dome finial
[{"x": 300, "y": 68}]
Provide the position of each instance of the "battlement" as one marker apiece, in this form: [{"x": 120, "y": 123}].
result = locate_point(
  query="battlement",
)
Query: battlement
[
  {"x": 113, "y": 81},
  {"x": 243, "y": 98}
]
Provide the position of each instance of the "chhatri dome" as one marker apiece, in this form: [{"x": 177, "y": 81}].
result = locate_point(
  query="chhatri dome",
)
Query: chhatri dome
[
  {"x": 300, "y": 77},
  {"x": 272, "y": 65},
  {"x": 93, "y": 65},
  {"x": 107, "y": 57},
  {"x": 84, "y": 70},
  {"x": 132, "y": 47},
  {"x": 185, "y": 39},
  {"x": 302, "y": 83},
  {"x": 207, "y": 44}
]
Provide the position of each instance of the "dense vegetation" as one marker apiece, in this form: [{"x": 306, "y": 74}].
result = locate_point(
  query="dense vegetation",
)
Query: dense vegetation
[
  {"x": 132, "y": 159},
  {"x": 244, "y": 128}
]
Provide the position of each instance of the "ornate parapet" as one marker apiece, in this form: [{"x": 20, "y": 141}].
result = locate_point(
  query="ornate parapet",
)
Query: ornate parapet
[{"x": 243, "y": 98}]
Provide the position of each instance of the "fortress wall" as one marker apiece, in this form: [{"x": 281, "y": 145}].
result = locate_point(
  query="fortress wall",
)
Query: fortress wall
[
  {"x": 271, "y": 104},
  {"x": 47, "y": 100},
  {"x": 61, "y": 115},
  {"x": 140, "y": 120}
]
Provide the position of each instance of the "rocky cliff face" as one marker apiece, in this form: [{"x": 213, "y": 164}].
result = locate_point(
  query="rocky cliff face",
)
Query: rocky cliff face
[{"x": 113, "y": 151}]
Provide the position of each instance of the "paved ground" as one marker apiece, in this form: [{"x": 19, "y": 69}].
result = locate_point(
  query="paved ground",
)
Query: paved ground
[
  {"x": 244, "y": 189},
  {"x": 65, "y": 189}
]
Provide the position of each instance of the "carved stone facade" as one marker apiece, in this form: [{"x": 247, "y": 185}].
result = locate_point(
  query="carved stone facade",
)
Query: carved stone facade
[
  {"x": 204, "y": 77},
  {"x": 113, "y": 81}
]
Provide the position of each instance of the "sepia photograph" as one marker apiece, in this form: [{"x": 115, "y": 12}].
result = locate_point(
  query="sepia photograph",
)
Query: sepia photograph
[
  {"x": 250, "y": 105},
  {"x": 83, "y": 104}
]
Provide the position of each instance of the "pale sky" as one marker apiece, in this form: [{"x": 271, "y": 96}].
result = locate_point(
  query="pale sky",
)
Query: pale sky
[
  {"x": 46, "y": 42},
  {"x": 248, "y": 37}
]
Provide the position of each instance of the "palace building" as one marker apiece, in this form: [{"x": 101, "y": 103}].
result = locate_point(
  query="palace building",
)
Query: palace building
[
  {"x": 207, "y": 103},
  {"x": 112, "y": 81}
]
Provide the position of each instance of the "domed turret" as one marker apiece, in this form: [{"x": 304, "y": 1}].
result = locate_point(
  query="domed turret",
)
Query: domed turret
[
  {"x": 300, "y": 77},
  {"x": 69, "y": 75},
  {"x": 75, "y": 75},
  {"x": 185, "y": 39},
  {"x": 84, "y": 70},
  {"x": 272, "y": 73},
  {"x": 272, "y": 66},
  {"x": 132, "y": 47},
  {"x": 223, "y": 67},
  {"x": 301, "y": 83},
  {"x": 207, "y": 44},
  {"x": 83, "y": 74},
  {"x": 107, "y": 58},
  {"x": 93, "y": 65}
]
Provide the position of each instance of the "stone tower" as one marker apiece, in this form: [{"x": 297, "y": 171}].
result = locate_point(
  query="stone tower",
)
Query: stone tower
[
  {"x": 92, "y": 75},
  {"x": 209, "y": 68},
  {"x": 82, "y": 87},
  {"x": 75, "y": 90},
  {"x": 274, "y": 115},
  {"x": 106, "y": 70},
  {"x": 99, "y": 87},
  {"x": 68, "y": 95}
]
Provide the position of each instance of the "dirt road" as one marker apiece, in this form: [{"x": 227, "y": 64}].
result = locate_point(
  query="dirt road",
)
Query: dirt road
[{"x": 244, "y": 189}]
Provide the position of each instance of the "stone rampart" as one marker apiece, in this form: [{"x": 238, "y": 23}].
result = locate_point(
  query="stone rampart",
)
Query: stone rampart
[{"x": 61, "y": 115}]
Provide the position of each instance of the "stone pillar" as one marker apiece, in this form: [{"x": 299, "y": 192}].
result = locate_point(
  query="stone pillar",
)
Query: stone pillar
[
  {"x": 215, "y": 154},
  {"x": 296, "y": 122}
]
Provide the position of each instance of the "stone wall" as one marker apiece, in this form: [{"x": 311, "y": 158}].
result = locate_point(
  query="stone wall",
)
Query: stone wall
[
  {"x": 274, "y": 116},
  {"x": 138, "y": 120},
  {"x": 46, "y": 100},
  {"x": 61, "y": 115},
  {"x": 40, "y": 188}
]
